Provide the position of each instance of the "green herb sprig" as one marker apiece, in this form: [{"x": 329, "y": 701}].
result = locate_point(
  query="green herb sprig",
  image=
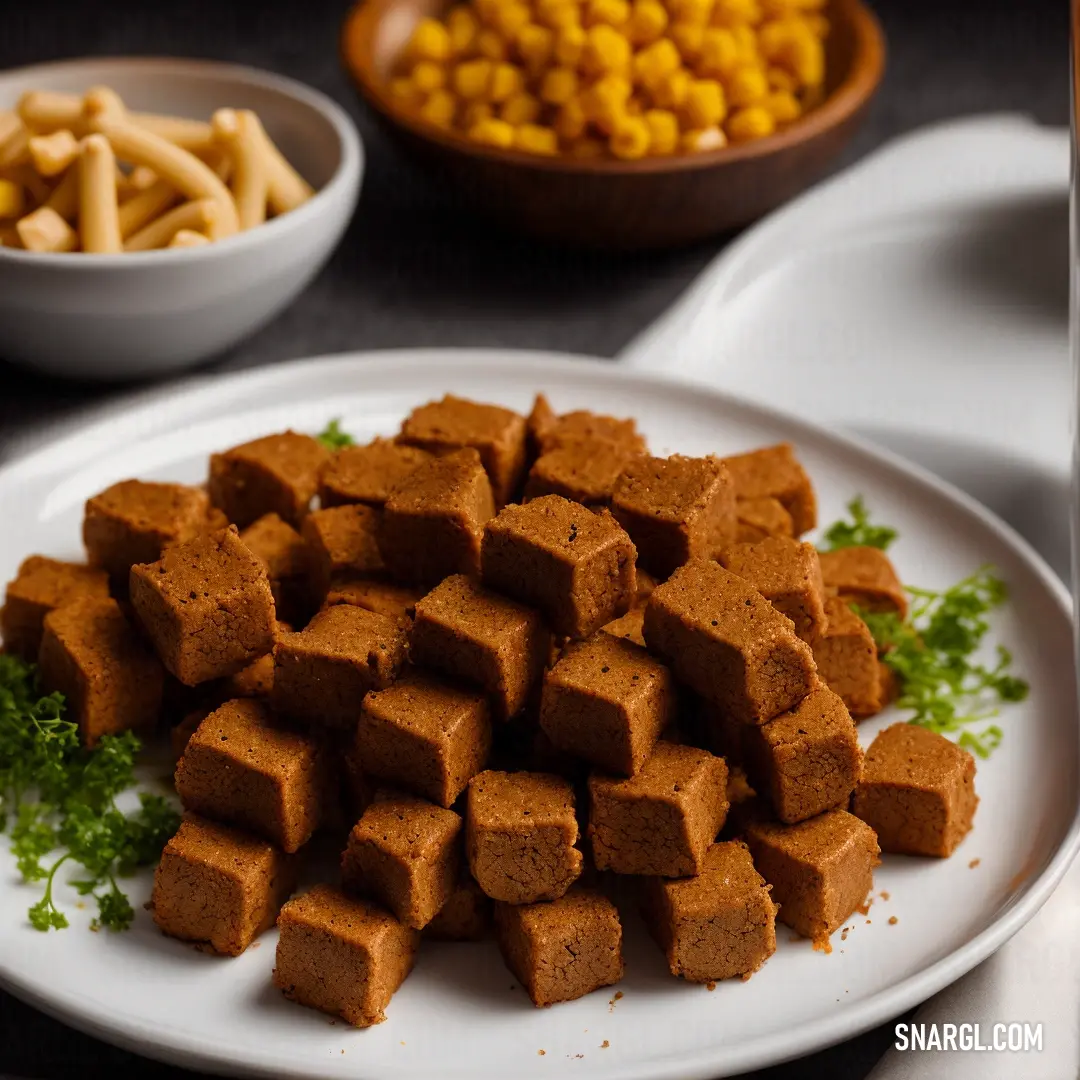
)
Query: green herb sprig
[
  {"x": 333, "y": 438},
  {"x": 858, "y": 532},
  {"x": 59, "y": 799}
]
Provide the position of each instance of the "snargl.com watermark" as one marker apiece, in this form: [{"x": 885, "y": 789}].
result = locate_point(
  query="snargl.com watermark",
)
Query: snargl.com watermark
[{"x": 999, "y": 1038}]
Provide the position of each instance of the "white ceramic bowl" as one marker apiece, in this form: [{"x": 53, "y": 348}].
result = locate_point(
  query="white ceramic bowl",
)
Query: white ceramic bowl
[{"x": 141, "y": 315}]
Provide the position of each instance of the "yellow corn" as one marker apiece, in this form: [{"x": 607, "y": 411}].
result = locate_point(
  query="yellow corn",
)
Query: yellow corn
[
  {"x": 569, "y": 43},
  {"x": 746, "y": 40},
  {"x": 630, "y": 138},
  {"x": 588, "y": 149},
  {"x": 693, "y": 12},
  {"x": 506, "y": 80},
  {"x": 654, "y": 64},
  {"x": 475, "y": 112},
  {"x": 535, "y": 45},
  {"x": 403, "y": 89},
  {"x": 472, "y": 78},
  {"x": 12, "y": 199},
  {"x": 671, "y": 92},
  {"x": 491, "y": 45},
  {"x": 521, "y": 108},
  {"x": 648, "y": 21},
  {"x": 732, "y": 13},
  {"x": 605, "y": 50},
  {"x": 612, "y": 12},
  {"x": 605, "y": 101},
  {"x": 753, "y": 123},
  {"x": 571, "y": 122},
  {"x": 439, "y": 108},
  {"x": 688, "y": 39},
  {"x": 819, "y": 25},
  {"x": 719, "y": 52},
  {"x": 559, "y": 86},
  {"x": 428, "y": 75},
  {"x": 663, "y": 128},
  {"x": 508, "y": 19},
  {"x": 462, "y": 26},
  {"x": 557, "y": 14},
  {"x": 779, "y": 79},
  {"x": 492, "y": 132},
  {"x": 705, "y": 105},
  {"x": 535, "y": 139},
  {"x": 782, "y": 106},
  {"x": 698, "y": 140},
  {"x": 430, "y": 41},
  {"x": 746, "y": 86}
]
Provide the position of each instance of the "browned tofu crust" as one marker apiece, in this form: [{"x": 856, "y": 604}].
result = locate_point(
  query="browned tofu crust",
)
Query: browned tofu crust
[
  {"x": 375, "y": 593},
  {"x": 562, "y": 950},
  {"x": 277, "y": 474},
  {"x": 219, "y": 887},
  {"x": 40, "y": 586},
  {"x": 775, "y": 472},
  {"x": 110, "y": 680},
  {"x": 341, "y": 543},
  {"x": 846, "y": 659},
  {"x": 135, "y": 520},
  {"x": 607, "y": 701},
  {"x": 820, "y": 870},
  {"x": 433, "y": 520},
  {"x": 675, "y": 509},
  {"x": 367, "y": 474},
  {"x": 466, "y": 915},
  {"x": 206, "y": 605},
  {"x": 583, "y": 470},
  {"x": 720, "y": 924},
  {"x": 576, "y": 566},
  {"x": 865, "y": 577},
  {"x": 661, "y": 821},
  {"x": 425, "y": 735},
  {"x": 403, "y": 853},
  {"x": 284, "y": 553},
  {"x": 760, "y": 518},
  {"x": 520, "y": 832},
  {"x": 342, "y": 955},
  {"x": 727, "y": 642},
  {"x": 243, "y": 767},
  {"x": 917, "y": 791},
  {"x": 582, "y": 424},
  {"x": 498, "y": 435}
]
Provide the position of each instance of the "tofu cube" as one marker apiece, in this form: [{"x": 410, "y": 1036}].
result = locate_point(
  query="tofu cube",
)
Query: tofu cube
[
  {"x": 662, "y": 821},
  {"x": 820, "y": 870},
  {"x": 788, "y": 574},
  {"x": 206, "y": 605},
  {"x": 775, "y": 472},
  {"x": 424, "y": 735},
  {"x": 917, "y": 791},
  {"x": 576, "y": 566},
  {"x": 562, "y": 950},
  {"x": 219, "y": 887},
  {"x": 497, "y": 434},
  {"x": 538, "y": 423},
  {"x": 582, "y": 424},
  {"x": 433, "y": 520},
  {"x": 135, "y": 520},
  {"x": 373, "y": 592},
  {"x": 757, "y": 519},
  {"x": 846, "y": 658},
  {"x": 806, "y": 760},
  {"x": 367, "y": 474},
  {"x": 321, "y": 673},
  {"x": 403, "y": 853},
  {"x": 582, "y": 470},
  {"x": 110, "y": 680},
  {"x": 675, "y": 509},
  {"x": 865, "y": 577},
  {"x": 244, "y": 768},
  {"x": 726, "y": 641},
  {"x": 520, "y": 832},
  {"x": 476, "y": 635},
  {"x": 43, "y": 585},
  {"x": 341, "y": 543},
  {"x": 341, "y": 955},
  {"x": 607, "y": 700},
  {"x": 282, "y": 550},
  {"x": 466, "y": 915},
  {"x": 720, "y": 924},
  {"x": 277, "y": 474}
]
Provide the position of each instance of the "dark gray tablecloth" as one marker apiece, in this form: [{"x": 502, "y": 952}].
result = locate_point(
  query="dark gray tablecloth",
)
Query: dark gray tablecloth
[{"x": 415, "y": 271}]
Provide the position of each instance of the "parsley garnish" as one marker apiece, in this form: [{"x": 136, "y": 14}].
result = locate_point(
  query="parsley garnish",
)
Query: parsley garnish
[
  {"x": 333, "y": 438},
  {"x": 858, "y": 532},
  {"x": 58, "y": 798}
]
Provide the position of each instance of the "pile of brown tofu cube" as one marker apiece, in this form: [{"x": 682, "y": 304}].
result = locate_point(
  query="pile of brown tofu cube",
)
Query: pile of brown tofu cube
[{"x": 635, "y": 669}]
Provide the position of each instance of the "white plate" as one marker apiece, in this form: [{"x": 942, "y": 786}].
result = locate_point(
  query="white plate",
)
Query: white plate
[{"x": 457, "y": 1016}]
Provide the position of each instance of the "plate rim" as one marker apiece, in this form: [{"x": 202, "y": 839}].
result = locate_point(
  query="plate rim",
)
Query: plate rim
[{"x": 803, "y": 1039}]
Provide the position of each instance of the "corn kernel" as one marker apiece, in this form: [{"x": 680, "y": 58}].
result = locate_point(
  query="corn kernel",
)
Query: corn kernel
[
  {"x": 705, "y": 105},
  {"x": 719, "y": 52},
  {"x": 635, "y": 106},
  {"x": 752, "y": 123},
  {"x": 732, "y": 13},
  {"x": 663, "y": 131},
  {"x": 485, "y": 10},
  {"x": 605, "y": 101},
  {"x": 463, "y": 26},
  {"x": 698, "y": 140},
  {"x": 630, "y": 138},
  {"x": 782, "y": 106},
  {"x": 671, "y": 92},
  {"x": 688, "y": 40},
  {"x": 439, "y": 108},
  {"x": 779, "y": 79},
  {"x": 535, "y": 45},
  {"x": 430, "y": 41},
  {"x": 605, "y": 50},
  {"x": 819, "y": 25},
  {"x": 746, "y": 86},
  {"x": 558, "y": 14},
  {"x": 559, "y": 86},
  {"x": 521, "y": 108},
  {"x": 12, "y": 199},
  {"x": 508, "y": 19},
  {"x": 474, "y": 113},
  {"x": 588, "y": 149},
  {"x": 654, "y": 64},
  {"x": 648, "y": 21},
  {"x": 569, "y": 43},
  {"x": 506, "y": 80},
  {"x": 779, "y": 8},
  {"x": 693, "y": 12},
  {"x": 403, "y": 89},
  {"x": 471, "y": 78},
  {"x": 428, "y": 76},
  {"x": 806, "y": 59},
  {"x": 571, "y": 122},
  {"x": 492, "y": 132},
  {"x": 612, "y": 12},
  {"x": 491, "y": 45},
  {"x": 535, "y": 139},
  {"x": 746, "y": 40}
]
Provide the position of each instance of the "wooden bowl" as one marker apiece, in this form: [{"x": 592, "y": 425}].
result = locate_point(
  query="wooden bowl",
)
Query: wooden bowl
[{"x": 624, "y": 205}]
